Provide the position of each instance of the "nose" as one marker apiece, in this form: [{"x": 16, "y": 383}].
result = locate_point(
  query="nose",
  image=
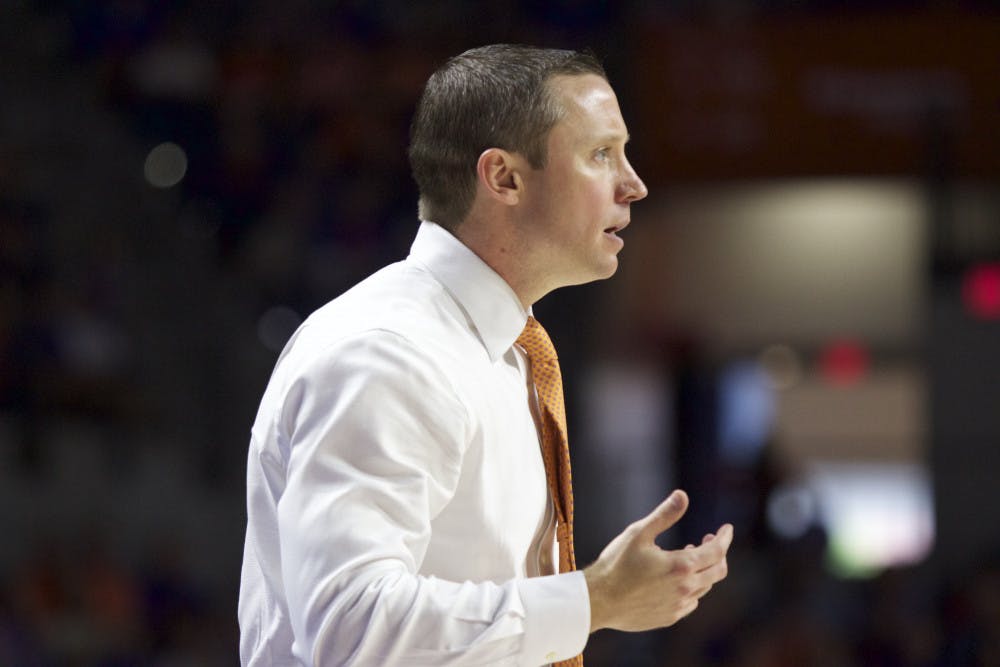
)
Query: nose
[{"x": 631, "y": 187}]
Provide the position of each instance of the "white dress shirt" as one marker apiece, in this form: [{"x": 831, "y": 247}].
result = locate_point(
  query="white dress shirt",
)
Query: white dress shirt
[{"x": 396, "y": 496}]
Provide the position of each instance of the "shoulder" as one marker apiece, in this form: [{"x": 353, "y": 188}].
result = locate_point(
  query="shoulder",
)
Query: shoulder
[
  {"x": 400, "y": 324},
  {"x": 401, "y": 307}
]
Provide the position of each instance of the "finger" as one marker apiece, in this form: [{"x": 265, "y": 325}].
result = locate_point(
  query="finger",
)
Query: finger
[
  {"x": 711, "y": 579},
  {"x": 725, "y": 535},
  {"x": 688, "y": 608},
  {"x": 704, "y": 583},
  {"x": 701, "y": 592},
  {"x": 711, "y": 568},
  {"x": 664, "y": 516},
  {"x": 712, "y": 550},
  {"x": 712, "y": 572}
]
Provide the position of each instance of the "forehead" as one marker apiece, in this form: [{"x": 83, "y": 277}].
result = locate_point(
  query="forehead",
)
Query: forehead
[{"x": 589, "y": 105}]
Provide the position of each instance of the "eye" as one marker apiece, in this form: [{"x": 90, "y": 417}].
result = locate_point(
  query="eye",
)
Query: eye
[{"x": 602, "y": 154}]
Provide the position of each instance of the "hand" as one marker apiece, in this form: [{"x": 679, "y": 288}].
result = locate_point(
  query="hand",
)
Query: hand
[{"x": 635, "y": 585}]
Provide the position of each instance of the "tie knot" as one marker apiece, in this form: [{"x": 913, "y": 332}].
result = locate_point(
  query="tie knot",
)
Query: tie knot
[{"x": 536, "y": 342}]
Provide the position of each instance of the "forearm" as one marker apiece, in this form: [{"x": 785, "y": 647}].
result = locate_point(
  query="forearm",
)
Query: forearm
[
  {"x": 392, "y": 617},
  {"x": 387, "y": 616}
]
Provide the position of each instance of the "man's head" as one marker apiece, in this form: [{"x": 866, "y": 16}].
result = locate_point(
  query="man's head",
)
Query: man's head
[{"x": 494, "y": 96}]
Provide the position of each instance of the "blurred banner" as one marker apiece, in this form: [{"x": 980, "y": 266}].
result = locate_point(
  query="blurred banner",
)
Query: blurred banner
[{"x": 820, "y": 94}]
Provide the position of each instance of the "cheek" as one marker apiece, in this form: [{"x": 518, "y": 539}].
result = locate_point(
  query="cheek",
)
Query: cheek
[
  {"x": 596, "y": 197},
  {"x": 578, "y": 198},
  {"x": 585, "y": 184}
]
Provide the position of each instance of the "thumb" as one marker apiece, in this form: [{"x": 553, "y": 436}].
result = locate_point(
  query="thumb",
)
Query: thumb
[{"x": 664, "y": 516}]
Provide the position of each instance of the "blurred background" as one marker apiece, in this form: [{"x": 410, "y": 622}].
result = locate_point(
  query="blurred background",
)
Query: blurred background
[{"x": 803, "y": 332}]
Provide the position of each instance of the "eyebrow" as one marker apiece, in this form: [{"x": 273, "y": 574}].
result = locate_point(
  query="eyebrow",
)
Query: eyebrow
[{"x": 614, "y": 136}]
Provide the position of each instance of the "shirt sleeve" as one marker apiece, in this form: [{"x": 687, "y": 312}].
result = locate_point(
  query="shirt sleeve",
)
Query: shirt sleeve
[{"x": 376, "y": 437}]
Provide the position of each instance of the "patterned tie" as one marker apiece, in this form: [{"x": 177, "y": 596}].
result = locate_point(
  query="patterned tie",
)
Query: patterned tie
[{"x": 555, "y": 445}]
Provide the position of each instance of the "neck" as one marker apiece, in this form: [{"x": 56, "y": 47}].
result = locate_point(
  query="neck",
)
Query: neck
[{"x": 503, "y": 250}]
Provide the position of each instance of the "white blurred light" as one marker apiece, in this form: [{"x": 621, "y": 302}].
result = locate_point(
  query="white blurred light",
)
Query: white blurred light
[
  {"x": 165, "y": 165},
  {"x": 877, "y": 515},
  {"x": 276, "y": 326},
  {"x": 782, "y": 366}
]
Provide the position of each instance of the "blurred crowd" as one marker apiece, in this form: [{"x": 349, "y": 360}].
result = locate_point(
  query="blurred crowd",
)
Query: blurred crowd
[
  {"x": 80, "y": 606},
  {"x": 145, "y": 320}
]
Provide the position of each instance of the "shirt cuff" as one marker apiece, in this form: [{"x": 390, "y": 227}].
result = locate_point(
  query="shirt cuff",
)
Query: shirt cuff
[{"x": 557, "y": 617}]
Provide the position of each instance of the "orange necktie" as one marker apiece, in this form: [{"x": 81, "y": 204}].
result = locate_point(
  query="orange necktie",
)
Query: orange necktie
[{"x": 555, "y": 445}]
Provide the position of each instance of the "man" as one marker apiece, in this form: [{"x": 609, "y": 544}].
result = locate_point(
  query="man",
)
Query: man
[{"x": 399, "y": 508}]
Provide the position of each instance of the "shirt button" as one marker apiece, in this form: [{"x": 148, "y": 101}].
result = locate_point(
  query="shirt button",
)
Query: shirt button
[{"x": 550, "y": 656}]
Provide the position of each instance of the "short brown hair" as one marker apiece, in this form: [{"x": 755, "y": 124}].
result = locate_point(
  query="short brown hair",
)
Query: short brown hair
[{"x": 490, "y": 97}]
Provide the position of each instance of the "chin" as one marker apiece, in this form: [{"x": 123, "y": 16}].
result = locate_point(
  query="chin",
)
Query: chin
[
  {"x": 601, "y": 269},
  {"x": 611, "y": 266},
  {"x": 605, "y": 270}
]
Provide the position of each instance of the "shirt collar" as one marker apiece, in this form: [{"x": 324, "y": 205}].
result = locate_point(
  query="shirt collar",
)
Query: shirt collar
[{"x": 491, "y": 304}]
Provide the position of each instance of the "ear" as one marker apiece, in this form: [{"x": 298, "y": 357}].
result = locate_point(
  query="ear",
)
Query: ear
[{"x": 498, "y": 172}]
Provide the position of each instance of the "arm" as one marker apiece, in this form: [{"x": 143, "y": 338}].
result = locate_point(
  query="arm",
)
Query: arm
[
  {"x": 376, "y": 440},
  {"x": 636, "y": 585}
]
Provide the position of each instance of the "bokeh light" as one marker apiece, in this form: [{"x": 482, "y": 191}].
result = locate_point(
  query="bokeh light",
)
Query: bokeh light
[
  {"x": 791, "y": 511},
  {"x": 981, "y": 291},
  {"x": 165, "y": 165},
  {"x": 276, "y": 326},
  {"x": 782, "y": 365},
  {"x": 844, "y": 362}
]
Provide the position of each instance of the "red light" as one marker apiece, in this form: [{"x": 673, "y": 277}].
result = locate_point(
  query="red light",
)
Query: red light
[
  {"x": 844, "y": 362},
  {"x": 981, "y": 291}
]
